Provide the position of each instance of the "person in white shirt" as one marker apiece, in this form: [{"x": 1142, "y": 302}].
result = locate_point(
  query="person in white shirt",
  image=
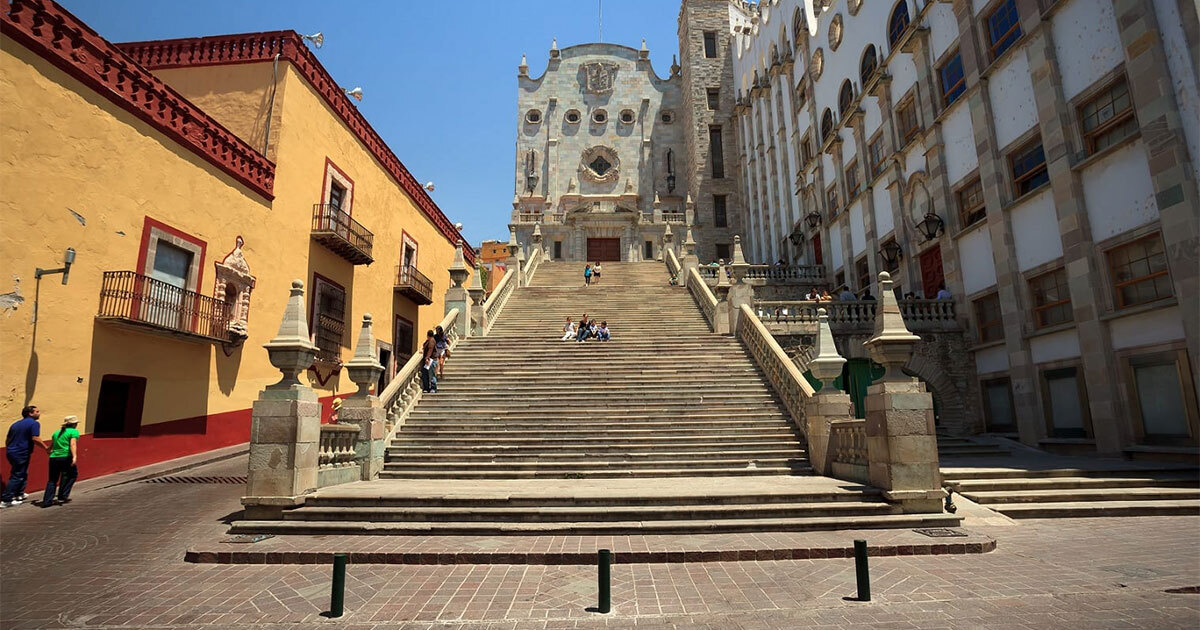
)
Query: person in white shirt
[{"x": 568, "y": 330}]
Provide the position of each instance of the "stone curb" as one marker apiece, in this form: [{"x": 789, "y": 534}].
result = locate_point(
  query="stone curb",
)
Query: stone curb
[{"x": 580, "y": 558}]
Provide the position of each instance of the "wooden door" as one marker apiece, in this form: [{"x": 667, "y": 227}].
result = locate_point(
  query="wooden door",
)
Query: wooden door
[
  {"x": 932, "y": 277},
  {"x": 816, "y": 245},
  {"x": 604, "y": 249}
]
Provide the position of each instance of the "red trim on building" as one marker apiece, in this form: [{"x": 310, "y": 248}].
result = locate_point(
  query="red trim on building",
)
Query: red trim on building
[
  {"x": 261, "y": 48},
  {"x": 51, "y": 32},
  {"x": 144, "y": 251}
]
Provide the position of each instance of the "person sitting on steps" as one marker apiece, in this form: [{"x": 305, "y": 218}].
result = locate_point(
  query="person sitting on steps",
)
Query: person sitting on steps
[
  {"x": 602, "y": 332},
  {"x": 568, "y": 330},
  {"x": 584, "y": 328}
]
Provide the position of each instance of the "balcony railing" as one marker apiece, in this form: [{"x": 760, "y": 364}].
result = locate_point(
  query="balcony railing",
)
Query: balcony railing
[
  {"x": 674, "y": 217},
  {"x": 529, "y": 217},
  {"x": 337, "y": 230},
  {"x": 413, "y": 284},
  {"x": 785, "y": 273},
  {"x": 131, "y": 298},
  {"x": 851, "y": 317}
]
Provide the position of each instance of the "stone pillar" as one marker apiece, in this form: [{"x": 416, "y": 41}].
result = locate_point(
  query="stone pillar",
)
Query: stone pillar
[
  {"x": 537, "y": 241},
  {"x": 668, "y": 240},
  {"x": 901, "y": 445},
  {"x": 363, "y": 407},
  {"x": 456, "y": 295},
  {"x": 513, "y": 261},
  {"x": 827, "y": 405},
  {"x": 285, "y": 427},
  {"x": 740, "y": 292},
  {"x": 477, "y": 323},
  {"x": 689, "y": 260}
]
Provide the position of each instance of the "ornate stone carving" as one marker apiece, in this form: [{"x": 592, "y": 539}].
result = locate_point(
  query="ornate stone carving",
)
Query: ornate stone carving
[
  {"x": 233, "y": 284},
  {"x": 531, "y": 173},
  {"x": 598, "y": 77},
  {"x": 600, "y": 164}
]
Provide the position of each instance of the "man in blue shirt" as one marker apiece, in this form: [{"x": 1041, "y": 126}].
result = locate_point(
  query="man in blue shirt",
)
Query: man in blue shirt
[{"x": 18, "y": 446}]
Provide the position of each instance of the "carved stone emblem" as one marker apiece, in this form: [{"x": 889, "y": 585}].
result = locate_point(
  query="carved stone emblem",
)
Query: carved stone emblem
[
  {"x": 599, "y": 77},
  {"x": 600, "y": 165}
]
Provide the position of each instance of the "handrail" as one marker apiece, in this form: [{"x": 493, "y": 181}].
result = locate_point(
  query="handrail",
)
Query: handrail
[
  {"x": 672, "y": 261},
  {"x": 783, "y": 374},
  {"x": 403, "y": 392},
  {"x": 704, "y": 296},
  {"x": 495, "y": 303},
  {"x": 531, "y": 265}
]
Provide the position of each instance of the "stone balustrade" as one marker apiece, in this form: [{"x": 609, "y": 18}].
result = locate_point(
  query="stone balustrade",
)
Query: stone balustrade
[
  {"x": 336, "y": 462},
  {"x": 799, "y": 317},
  {"x": 704, "y": 298},
  {"x": 782, "y": 372},
  {"x": 402, "y": 393},
  {"x": 848, "y": 442},
  {"x": 532, "y": 264},
  {"x": 674, "y": 217},
  {"x": 672, "y": 261},
  {"x": 787, "y": 273},
  {"x": 495, "y": 303}
]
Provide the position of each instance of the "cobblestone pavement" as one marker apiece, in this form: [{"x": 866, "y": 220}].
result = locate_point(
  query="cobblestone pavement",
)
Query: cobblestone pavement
[{"x": 113, "y": 558}]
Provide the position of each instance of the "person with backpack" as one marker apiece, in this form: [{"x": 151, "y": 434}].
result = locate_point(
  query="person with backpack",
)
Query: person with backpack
[
  {"x": 64, "y": 454},
  {"x": 587, "y": 276},
  {"x": 429, "y": 364},
  {"x": 22, "y": 435}
]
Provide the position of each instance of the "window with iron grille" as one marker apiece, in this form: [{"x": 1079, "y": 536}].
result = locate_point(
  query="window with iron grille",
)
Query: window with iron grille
[
  {"x": 1029, "y": 168},
  {"x": 1108, "y": 117},
  {"x": 330, "y": 319},
  {"x": 971, "y": 205},
  {"x": 720, "y": 217},
  {"x": 1051, "y": 299},
  {"x": 1003, "y": 27},
  {"x": 988, "y": 322},
  {"x": 1139, "y": 272},
  {"x": 877, "y": 155},
  {"x": 954, "y": 83},
  {"x": 853, "y": 185},
  {"x": 906, "y": 118}
]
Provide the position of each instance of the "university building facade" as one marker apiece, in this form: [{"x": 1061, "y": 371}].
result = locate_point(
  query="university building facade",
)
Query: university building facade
[{"x": 1036, "y": 158}]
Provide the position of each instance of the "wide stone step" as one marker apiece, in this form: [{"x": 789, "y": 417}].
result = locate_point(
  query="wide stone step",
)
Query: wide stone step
[
  {"x": 952, "y": 451},
  {"x": 1083, "y": 483},
  {"x": 609, "y": 528},
  {"x": 510, "y": 455},
  {"x": 563, "y": 434},
  {"x": 598, "y": 473},
  {"x": 1073, "y": 495},
  {"x": 606, "y": 499},
  {"x": 536, "y": 421},
  {"x": 601, "y": 404},
  {"x": 1100, "y": 508},
  {"x": 586, "y": 514},
  {"x": 951, "y": 473},
  {"x": 744, "y": 384},
  {"x": 682, "y": 461}
]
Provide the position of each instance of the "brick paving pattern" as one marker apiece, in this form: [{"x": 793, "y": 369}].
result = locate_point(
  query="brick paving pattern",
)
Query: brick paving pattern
[{"x": 114, "y": 558}]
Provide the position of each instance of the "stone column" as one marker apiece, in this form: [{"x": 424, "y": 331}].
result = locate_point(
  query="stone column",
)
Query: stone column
[
  {"x": 537, "y": 240},
  {"x": 477, "y": 323},
  {"x": 827, "y": 405},
  {"x": 285, "y": 427},
  {"x": 901, "y": 445},
  {"x": 740, "y": 292},
  {"x": 512, "y": 262},
  {"x": 690, "y": 260},
  {"x": 363, "y": 407},
  {"x": 668, "y": 240},
  {"x": 456, "y": 295}
]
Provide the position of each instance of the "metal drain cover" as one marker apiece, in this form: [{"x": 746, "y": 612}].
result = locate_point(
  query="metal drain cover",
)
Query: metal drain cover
[
  {"x": 940, "y": 532},
  {"x": 232, "y": 480},
  {"x": 248, "y": 538}
]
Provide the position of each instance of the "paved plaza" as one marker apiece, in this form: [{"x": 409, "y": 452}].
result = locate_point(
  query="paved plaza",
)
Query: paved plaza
[{"x": 114, "y": 557}]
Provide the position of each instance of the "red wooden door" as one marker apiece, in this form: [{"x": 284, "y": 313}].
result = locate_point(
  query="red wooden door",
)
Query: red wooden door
[
  {"x": 931, "y": 272},
  {"x": 605, "y": 249},
  {"x": 816, "y": 244}
]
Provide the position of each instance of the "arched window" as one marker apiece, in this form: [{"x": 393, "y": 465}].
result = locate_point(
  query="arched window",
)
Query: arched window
[
  {"x": 845, "y": 97},
  {"x": 870, "y": 61},
  {"x": 898, "y": 22},
  {"x": 826, "y": 124}
]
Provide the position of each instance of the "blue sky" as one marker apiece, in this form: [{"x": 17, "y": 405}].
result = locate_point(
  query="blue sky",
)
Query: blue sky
[{"x": 439, "y": 78}]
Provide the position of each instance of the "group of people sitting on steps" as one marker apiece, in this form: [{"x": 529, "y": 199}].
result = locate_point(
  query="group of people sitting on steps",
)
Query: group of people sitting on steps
[{"x": 586, "y": 328}]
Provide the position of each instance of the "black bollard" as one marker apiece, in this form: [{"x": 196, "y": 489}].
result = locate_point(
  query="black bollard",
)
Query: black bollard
[
  {"x": 860, "y": 569},
  {"x": 337, "y": 597},
  {"x": 604, "y": 578}
]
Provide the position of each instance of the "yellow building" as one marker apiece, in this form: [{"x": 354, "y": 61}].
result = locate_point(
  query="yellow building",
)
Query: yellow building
[{"x": 194, "y": 180}]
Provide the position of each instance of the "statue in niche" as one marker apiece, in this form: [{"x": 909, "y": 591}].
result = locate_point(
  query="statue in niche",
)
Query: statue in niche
[
  {"x": 670, "y": 171},
  {"x": 233, "y": 286},
  {"x": 531, "y": 176}
]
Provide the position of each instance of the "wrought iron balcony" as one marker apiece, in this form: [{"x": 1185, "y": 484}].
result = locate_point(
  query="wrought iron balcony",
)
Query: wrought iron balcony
[
  {"x": 413, "y": 284},
  {"x": 337, "y": 230},
  {"x": 129, "y": 298}
]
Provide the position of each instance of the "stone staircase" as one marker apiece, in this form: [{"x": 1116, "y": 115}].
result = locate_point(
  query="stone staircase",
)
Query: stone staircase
[
  {"x": 668, "y": 428},
  {"x": 950, "y": 447},
  {"x": 1115, "y": 490}
]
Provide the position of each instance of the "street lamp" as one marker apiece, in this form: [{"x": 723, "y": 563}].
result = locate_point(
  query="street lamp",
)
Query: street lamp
[
  {"x": 813, "y": 219},
  {"x": 931, "y": 226},
  {"x": 318, "y": 39},
  {"x": 796, "y": 238},
  {"x": 355, "y": 94},
  {"x": 891, "y": 253}
]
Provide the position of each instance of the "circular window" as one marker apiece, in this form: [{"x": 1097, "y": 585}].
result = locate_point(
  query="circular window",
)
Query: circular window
[
  {"x": 573, "y": 117},
  {"x": 835, "y": 32},
  {"x": 533, "y": 117},
  {"x": 599, "y": 116},
  {"x": 817, "y": 65},
  {"x": 668, "y": 116},
  {"x": 627, "y": 116}
]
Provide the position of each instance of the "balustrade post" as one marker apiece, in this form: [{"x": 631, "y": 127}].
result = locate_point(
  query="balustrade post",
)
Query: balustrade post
[
  {"x": 476, "y": 324},
  {"x": 829, "y": 404},
  {"x": 364, "y": 408},
  {"x": 901, "y": 445},
  {"x": 668, "y": 242},
  {"x": 457, "y": 296},
  {"x": 740, "y": 292},
  {"x": 513, "y": 261},
  {"x": 285, "y": 426}
]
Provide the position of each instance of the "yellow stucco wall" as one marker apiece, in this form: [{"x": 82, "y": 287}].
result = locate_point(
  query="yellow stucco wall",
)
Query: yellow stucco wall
[{"x": 66, "y": 149}]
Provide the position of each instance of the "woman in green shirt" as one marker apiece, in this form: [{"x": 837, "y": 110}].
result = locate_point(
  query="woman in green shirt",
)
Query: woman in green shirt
[{"x": 64, "y": 448}]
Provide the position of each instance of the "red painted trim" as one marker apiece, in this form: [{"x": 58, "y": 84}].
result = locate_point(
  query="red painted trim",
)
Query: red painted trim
[
  {"x": 53, "y": 33},
  {"x": 349, "y": 209},
  {"x": 144, "y": 252},
  {"x": 262, "y": 47}
]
